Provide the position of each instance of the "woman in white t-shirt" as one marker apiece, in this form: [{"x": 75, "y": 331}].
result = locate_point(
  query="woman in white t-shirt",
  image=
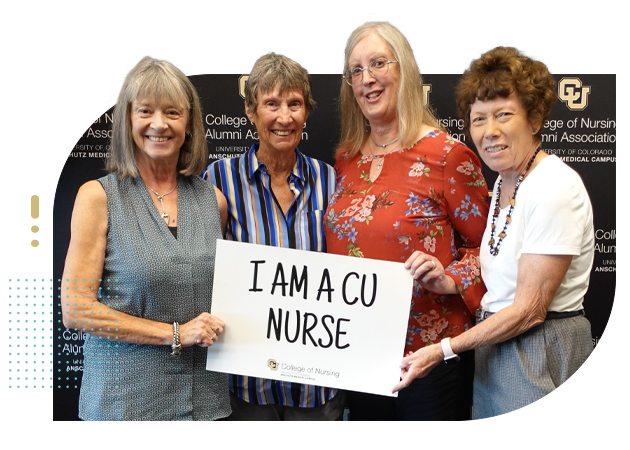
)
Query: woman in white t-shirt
[{"x": 537, "y": 252}]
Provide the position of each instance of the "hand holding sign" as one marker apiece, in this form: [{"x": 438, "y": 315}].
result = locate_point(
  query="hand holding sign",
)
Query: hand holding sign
[
  {"x": 418, "y": 365},
  {"x": 430, "y": 272},
  {"x": 203, "y": 330}
]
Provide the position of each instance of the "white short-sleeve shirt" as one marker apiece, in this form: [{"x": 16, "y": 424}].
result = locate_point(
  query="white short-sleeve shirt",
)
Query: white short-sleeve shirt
[{"x": 552, "y": 216}]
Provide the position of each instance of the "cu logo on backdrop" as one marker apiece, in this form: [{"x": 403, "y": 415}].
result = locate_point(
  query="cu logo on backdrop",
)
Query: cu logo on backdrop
[
  {"x": 241, "y": 86},
  {"x": 272, "y": 364},
  {"x": 573, "y": 93},
  {"x": 570, "y": 91},
  {"x": 95, "y": 89}
]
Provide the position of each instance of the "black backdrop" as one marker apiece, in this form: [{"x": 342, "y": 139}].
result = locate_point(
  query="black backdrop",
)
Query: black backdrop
[{"x": 581, "y": 131}]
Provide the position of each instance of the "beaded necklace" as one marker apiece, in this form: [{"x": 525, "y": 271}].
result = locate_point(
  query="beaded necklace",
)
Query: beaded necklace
[{"x": 494, "y": 250}]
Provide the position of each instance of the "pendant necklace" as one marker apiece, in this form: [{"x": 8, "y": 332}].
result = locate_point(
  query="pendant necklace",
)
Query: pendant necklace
[
  {"x": 165, "y": 216},
  {"x": 381, "y": 158}
]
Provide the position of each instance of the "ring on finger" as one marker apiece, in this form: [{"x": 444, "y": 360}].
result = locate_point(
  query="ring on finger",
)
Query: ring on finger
[
  {"x": 433, "y": 261},
  {"x": 214, "y": 337},
  {"x": 217, "y": 329}
]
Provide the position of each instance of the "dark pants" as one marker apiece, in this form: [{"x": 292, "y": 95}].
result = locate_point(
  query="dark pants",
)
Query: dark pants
[
  {"x": 444, "y": 394},
  {"x": 242, "y": 410}
]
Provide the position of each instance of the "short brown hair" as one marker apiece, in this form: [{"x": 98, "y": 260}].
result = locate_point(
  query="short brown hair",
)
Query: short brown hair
[
  {"x": 501, "y": 72},
  {"x": 271, "y": 70},
  {"x": 157, "y": 79}
]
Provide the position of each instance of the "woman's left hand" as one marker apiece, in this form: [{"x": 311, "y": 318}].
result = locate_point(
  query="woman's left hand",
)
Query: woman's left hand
[
  {"x": 430, "y": 272},
  {"x": 418, "y": 365}
]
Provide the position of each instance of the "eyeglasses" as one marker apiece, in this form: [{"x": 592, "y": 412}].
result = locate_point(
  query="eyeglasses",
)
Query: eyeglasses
[{"x": 377, "y": 68}]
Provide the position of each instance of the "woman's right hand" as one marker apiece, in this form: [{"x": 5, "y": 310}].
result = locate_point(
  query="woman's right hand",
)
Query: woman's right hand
[
  {"x": 203, "y": 330},
  {"x": 418, "y": 365},
  {"x": 428, "y": 270}
]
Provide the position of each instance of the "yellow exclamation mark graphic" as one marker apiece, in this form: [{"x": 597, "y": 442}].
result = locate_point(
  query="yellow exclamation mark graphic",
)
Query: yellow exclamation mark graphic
[{"x": 34, "y": 215}]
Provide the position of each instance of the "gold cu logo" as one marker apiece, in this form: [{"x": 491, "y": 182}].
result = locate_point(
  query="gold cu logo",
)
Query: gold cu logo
[
  {"x": 241, "y": 84},
  {"x": 571, "y": 92},
  {"x": 426, "y": 88},
  {"x": 95, "y": 89},
  {"x": 272, "y": 364}
]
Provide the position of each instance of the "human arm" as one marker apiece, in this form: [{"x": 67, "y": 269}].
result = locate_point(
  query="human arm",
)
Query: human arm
[
  {"x": 81, "y": 280},
  {"x": 539, "y": 277},
  {"x": 223, "y": 208},
  {"x": 221, "y": 198},
  {"x": 555, "y": 241},
  {"x": 465, "y": 198}
]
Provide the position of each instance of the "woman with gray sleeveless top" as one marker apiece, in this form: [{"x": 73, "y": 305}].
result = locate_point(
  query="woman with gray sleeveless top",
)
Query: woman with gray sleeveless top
[{"x": 139, "y": 270}]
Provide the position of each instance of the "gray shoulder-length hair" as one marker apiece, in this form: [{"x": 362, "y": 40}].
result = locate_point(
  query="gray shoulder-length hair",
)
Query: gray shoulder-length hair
[
  {"x": 412, "y": 111},
  {"x": 156, "y": 79},
  {"x": 273, "y": 70}
]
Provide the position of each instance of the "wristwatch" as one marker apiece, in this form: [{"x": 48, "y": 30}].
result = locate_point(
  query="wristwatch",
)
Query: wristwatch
[
  {"x": 449, "y": 356},
  {"x": 177, "y": 346}
]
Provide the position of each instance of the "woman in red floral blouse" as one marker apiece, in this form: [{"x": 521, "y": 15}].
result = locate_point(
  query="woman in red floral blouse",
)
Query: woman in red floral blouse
[{"x": 404, "y": 185}]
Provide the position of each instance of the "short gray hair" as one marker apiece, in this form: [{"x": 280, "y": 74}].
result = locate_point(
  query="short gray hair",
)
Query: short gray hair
[{"x": 272, "y": 70}]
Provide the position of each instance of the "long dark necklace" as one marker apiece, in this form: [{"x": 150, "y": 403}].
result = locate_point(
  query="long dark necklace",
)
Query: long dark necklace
[{"x": 494, "y": 250}]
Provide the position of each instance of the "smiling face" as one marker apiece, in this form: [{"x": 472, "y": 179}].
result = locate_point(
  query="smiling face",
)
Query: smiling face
[
  {"x": 377, "y": 97},
  {"x": 279, "y": 119},
  {"x": 158, "y": 128},
  {"x": 503, "y": 134}
]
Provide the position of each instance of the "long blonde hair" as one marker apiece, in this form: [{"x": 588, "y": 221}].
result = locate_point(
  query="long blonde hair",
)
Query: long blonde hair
[{"x": 412, "y": 111}]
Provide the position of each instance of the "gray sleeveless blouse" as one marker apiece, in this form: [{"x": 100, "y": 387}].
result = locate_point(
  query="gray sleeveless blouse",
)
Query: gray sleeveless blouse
[{"x": 150, "y": 274}]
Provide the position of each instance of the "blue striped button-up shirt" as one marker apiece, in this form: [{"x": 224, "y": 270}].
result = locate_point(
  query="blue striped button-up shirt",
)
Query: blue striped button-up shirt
[{"x": 255, "y": 216}]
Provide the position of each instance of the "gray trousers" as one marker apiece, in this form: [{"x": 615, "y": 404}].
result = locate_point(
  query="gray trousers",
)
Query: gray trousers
[{"x": 524, "y": 369}]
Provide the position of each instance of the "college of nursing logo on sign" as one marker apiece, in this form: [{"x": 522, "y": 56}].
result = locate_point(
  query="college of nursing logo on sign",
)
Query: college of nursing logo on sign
[
  {"x": 241, "y": 84},
  {"x": 571, "y": 92},
  {"x": 272, "y": 364},
  {"x": 95, "y": 89}
]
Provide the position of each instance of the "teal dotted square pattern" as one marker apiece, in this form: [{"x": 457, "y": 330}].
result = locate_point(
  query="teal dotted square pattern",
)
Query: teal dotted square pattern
[{"x": 29, "y": 321}]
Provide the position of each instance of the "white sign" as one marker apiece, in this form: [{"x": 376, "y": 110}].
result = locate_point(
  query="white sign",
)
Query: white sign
[{"x": 308, "y": 317}]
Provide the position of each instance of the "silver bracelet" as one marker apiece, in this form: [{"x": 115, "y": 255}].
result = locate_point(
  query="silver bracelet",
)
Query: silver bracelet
[{"x": 177, "y": 346}]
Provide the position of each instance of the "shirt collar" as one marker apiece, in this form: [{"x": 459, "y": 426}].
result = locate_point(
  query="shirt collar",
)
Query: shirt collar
[{"x": 300, "y": 169}]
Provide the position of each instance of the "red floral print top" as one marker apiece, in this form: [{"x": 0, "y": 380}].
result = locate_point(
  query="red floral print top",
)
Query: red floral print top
[{"x": 431, "y": 197}]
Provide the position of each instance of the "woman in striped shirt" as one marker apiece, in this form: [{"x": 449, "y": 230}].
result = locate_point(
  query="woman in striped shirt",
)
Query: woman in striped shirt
[{"x": 277, "y": 196}]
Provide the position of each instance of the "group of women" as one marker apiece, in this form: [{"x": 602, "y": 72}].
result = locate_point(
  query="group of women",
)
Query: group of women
[{"x": 505, "y": 277}]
